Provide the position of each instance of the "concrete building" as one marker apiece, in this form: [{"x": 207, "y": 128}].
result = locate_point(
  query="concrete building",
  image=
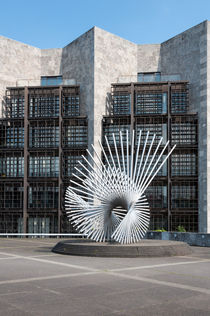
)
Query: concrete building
[{"x": 94, "y": 69}]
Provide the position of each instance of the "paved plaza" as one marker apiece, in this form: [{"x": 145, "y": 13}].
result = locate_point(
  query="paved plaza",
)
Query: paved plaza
[{"x": 35, "y": 281}]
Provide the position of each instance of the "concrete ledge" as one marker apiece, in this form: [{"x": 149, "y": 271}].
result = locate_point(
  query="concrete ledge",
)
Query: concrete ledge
[
  {"x": 193, "y": 239},
  {"x": 145, "y": 248}
]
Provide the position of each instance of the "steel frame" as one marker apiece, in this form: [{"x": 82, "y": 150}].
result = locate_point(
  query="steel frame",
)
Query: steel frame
[
  {"x": 181, "y": 129},
  {"x": 44, "y": 110}
]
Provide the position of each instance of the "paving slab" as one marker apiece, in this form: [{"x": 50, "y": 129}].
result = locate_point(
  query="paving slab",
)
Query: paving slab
[{"x": 33, "y": 281}]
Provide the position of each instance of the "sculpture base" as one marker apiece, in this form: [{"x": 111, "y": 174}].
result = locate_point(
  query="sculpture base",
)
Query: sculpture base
[{"x": 144, "y": 248}]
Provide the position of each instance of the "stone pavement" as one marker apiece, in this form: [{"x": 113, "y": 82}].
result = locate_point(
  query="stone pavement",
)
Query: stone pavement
[{"x": 34, "y": 281}]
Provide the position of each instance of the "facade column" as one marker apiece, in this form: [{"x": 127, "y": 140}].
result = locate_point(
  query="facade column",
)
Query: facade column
[
  {"x": 26, "y": 155},
  {"x": 60, "y": 187},
  {"x": 169, "y": 159}
]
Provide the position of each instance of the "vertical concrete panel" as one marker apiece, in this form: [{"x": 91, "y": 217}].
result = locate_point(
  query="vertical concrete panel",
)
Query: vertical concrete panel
[
  {"x": 208, "y": 119},
  {"x": 115, "y": 59},
  {"x": 148, "y": 58},
  {"x": 19, "y": 63},
  {"x": 186, "y": 55},
  {"x": 77, "y": 62},
  {"x": 51, "y": 62}
]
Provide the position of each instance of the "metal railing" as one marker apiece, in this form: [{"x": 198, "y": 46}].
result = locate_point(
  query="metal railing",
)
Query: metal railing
[{"x": 73, "y": 235}]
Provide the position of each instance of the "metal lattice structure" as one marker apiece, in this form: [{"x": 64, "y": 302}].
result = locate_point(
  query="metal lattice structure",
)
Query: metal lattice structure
[{"x": 108, "y": 201}]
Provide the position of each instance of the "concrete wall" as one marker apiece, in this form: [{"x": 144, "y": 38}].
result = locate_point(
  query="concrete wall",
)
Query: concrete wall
[
  {"x": 77, "y": 62},
  {"x": 114, "y": 58},
  {"x": 148, "y": 58},
  {"x": 51, "y": 62},
  {"x": 206, "y": 88},
  {"x": 186, "y": 55},
  {"x": 182, "y": 55},
  {"x": 18, "y": 64}
]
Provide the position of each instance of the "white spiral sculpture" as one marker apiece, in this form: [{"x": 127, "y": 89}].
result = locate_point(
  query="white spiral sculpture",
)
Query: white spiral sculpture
[{"x": 108, "y": 201}]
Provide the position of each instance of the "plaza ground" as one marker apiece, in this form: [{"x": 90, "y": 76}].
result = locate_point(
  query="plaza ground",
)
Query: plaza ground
[{"x": 35, "y": 281}]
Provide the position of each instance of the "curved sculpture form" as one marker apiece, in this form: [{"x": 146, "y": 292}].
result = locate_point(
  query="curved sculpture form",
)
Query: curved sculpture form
[{"x": 108, "y": 201}]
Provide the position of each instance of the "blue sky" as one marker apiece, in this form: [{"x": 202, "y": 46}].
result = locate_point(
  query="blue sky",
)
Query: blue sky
[{"x": 50, "y": 23}]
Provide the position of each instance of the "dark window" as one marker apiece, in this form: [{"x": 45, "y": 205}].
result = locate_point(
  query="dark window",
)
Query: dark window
[
  {"x": 71, "y": 105},
  {"x": 179, "y": 102},
  {"x": 15, "y": 107},
  {"x": 116, "y": 129},
  {"x": 159, "y": 129},
  {"x": 189, "y": 220},
  {"x": 151, "y": 103},
  {"x": 11, "y": 195},
  {"x": 43, "y": 196},
  {"x": 158, "y": 220},
  {"x": 121, "y": 104},
  {"x": 44, "y": 166},
  {"x": 75, "y": 136},
  {"x": 44, "y": 106},
  {"x": 184, "y": 196},
  {"x": 157, "y": 196},
  {"x": 43, "y": 136},
  {"x": 43, "y": 224},
  {"x": 69, "y": 164},
  {"x": 184, "y": 164},
  {"x": 11, "y": 223},
  {"x": 115, "y": 158},
  {"x": 14, "y": 137},
  {"x": 183, "y": 133},
  {"x": 11, "y": 166},
  {"x": 148, "y": 168}
]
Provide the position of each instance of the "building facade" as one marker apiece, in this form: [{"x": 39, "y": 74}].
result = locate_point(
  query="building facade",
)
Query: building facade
[{"x": 55, "y": 103}]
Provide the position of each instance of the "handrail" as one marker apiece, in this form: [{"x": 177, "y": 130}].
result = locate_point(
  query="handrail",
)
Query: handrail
[{"x": 43, "y": 234}]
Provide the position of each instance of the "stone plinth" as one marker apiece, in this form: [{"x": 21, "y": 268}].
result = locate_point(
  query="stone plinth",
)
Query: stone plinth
[{"x": 145, "y": 248}]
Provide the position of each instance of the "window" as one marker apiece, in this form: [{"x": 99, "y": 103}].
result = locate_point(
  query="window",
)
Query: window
[
  {"x": 44, "y": 106},
  {"x": 44, "y": 166},
  {"x": 75, "y": 136},
  {"x": 156, "y": 128},
  {"x": 157, "y": 196},
  {"x": 43, "y": 136},
  {"x": 39, "y": 225},
  {"x": 151, "y": 103},
  {"x": 148, "y": 168},
  {"x": 11, "y": 223},
  {"x": 51, "y": 81},
  {"x": 183, "y": 164},
  {"x": 184, "y": 196},
  {"x": 69, "y": 164},
  {"x": 156, "y": 77},
  {"x": 179, "y": 102},
  {"x": 187, "y": 219},
  {"x": 116, "y": 129},
  {"x": 48, "y": 223},
  {"x": 15, "y": 107},
  {"x": 121, "y": 104},
  {"x": 71, "y": 105},
  {"x": 11, "y": 166},
  {"x": 15, "y": 137},
  {"x": 43, "y": 196},
  {"x": 158, "y": 220},
  {"x": 149, "y": 77},
  {"x": 11, "y": 195},
  {"x": 183, "y": 133},
  {"x": 115, "y": 158}
]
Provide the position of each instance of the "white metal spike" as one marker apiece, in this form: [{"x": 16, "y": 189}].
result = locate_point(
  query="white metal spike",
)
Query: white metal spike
[{"x": 93, "y": 199}]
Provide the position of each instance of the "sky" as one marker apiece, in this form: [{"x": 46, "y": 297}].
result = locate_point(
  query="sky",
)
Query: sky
[{"x": 55, "y": 23}]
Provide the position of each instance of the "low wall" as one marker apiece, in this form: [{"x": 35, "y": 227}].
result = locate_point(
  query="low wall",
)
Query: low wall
[{"x": 193, "y": 239}]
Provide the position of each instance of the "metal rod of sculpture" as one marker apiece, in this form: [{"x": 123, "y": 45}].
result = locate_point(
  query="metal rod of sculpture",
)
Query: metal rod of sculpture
[{"x": 108, "y": 201}]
